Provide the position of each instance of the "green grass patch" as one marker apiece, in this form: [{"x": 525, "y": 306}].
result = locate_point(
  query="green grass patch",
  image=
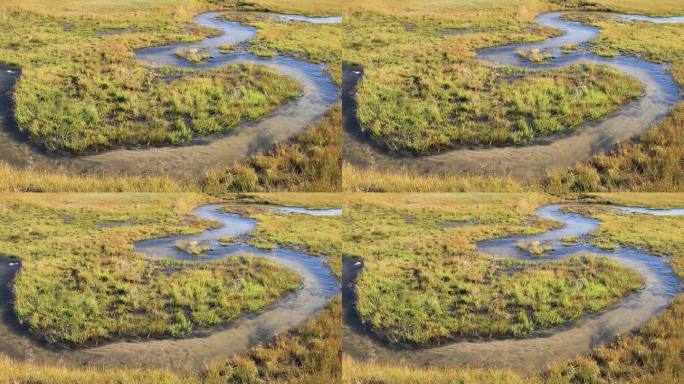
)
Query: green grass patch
[
  {"x": 423, "y": 91},
  {"x": 443, "y": 109},
  {"x": 157, "y": 107}
]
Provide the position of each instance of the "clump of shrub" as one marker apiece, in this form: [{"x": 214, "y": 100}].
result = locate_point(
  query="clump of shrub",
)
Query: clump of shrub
[
  {"x": 535, "y": 55},
  {"x": 193, "y": 54},
  {"x": 194, "y": 248},
  {"x": 226, "y": 48},
  {"x": 536, "y": 248}
]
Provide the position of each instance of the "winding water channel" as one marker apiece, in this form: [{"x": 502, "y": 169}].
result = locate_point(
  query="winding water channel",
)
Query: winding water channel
[
  {"x": 319, "y": 93},
  {"x": 319, "y": 286},
  {"x": 532, "y": 353},
  {"x": 524, "y": 162}
]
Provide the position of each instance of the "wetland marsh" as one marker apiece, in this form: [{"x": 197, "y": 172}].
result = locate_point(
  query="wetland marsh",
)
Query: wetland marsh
[
  {"x": 631, "y": 110},
  {"x": 210, "y": 113}
]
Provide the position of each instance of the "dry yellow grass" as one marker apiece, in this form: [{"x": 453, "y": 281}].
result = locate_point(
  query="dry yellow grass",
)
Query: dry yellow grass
[
  {"x": 354, "y": 372},
  {"x": 15, "y": 180},
  {"x": 366, "y": 180}
]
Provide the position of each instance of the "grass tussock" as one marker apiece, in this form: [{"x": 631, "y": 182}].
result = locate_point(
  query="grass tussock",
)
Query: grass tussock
[
  {"x": 194, "y": 55},
  {"x": 225, "y": 241},
  {"x": 225, "y": 49},
  {"x": 310, "y": 161},
  {"x": 193, "y": 248},
  {"x": 536, "y": 248},
  {"x": 535, "y": 55}
]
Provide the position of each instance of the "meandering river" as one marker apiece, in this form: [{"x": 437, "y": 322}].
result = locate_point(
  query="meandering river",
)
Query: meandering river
[
  {"x": 319, "y": 286},
  {"x": 529, "y": 354},
  {"x": 319, "y": 93},
  {"x": 527, "y": 162}
]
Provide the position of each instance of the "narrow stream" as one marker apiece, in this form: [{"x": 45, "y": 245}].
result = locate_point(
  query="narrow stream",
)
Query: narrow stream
[
  {"x": 319, "y": 286},
  {"x": 216, "y": 152},
  {"x": 526, "y": 162},
  {"x": 532, "y": 353}
]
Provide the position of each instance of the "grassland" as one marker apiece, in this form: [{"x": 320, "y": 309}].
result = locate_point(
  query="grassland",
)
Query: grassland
[
  {"x": 367, "y": 180},
  {"x": 81, "y": 90},
  {"x": 80, "y": 281},
  {"x": 16, "y": 180},
  {"x": 66, "y": 112},
  {"x": 80, "y": 246},
  {"x": 423, "y": 281},
  {"x": 423, "y": 90},
  {"x": 317, "y": 235},
  {"x": 310, "y": 161},
  {"x": 648, "y": 163},
  {"x": 652, "y": 354}
]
